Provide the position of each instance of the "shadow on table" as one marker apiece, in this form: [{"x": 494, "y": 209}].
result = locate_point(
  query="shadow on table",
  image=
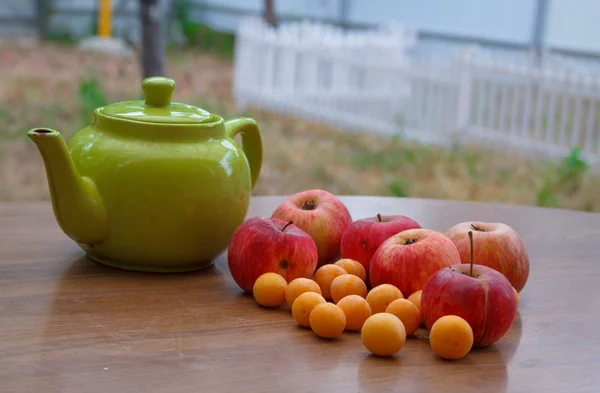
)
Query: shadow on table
[
  {"x": 85, "y": 279},
  {"x": 417, "y": 368},
  {"x": 82, "y": 266},
  {"x": 114, "y": 312},
  {"x": 505, "y": 349}
]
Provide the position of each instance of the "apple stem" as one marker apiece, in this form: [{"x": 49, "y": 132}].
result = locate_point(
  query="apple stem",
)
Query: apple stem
[
  {"x": 286, "y": 225},
  {"x": 379, "y": 217},
  {"x": 471, "y": 242},
  {"x": 476, "y": 228}
]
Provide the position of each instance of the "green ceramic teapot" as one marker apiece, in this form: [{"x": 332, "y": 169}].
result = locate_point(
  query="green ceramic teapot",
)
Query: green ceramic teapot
[{"x": 152, "y": 185}]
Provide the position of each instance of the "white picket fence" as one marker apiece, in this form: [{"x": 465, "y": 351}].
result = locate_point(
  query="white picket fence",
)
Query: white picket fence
[{"x": 365, "y": 81}]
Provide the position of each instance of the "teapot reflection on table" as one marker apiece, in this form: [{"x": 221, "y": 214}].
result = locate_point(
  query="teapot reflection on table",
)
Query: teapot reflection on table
[{"x": 152, "y": 185}]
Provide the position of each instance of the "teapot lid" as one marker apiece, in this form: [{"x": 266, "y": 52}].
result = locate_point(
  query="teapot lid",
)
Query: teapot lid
[{"x": 157, "y": 106}]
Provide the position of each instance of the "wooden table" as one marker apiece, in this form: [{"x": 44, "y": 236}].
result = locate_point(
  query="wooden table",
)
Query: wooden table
[{"x": 70, "y": 325}]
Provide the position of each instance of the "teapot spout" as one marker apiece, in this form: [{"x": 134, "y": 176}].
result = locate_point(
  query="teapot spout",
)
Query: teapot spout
[{"x": 77, "y": 205}]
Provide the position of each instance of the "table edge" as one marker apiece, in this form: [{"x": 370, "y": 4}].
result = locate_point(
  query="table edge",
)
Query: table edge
[{"x": 280, "y": 197}]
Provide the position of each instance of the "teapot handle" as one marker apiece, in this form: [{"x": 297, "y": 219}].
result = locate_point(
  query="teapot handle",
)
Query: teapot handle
[{"x": 251, "y": 142}]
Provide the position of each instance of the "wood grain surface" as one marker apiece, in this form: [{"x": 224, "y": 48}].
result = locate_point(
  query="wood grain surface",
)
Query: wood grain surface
[{"x": 70, "y": 325}]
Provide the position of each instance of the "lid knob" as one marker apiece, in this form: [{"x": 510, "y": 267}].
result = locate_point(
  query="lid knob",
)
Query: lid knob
[{"x": 158, "y": 91}]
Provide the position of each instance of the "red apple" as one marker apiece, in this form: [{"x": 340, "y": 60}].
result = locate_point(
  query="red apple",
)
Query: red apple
[
  {"x": 320, "y": 214},
  {"x": 479, "y": 294},
  {"x": 362, "y": 238},
  {"x": 408, "y": 258},
  {"x": 263, "y": 244},
  {"x": 496, "y": 245}
]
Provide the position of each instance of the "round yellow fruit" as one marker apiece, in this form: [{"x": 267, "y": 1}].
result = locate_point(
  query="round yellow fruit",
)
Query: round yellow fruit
[
  {"x": 381, "y": 296},
  {"x": 353, "y": 267},
  {"x": 347, "y": 284},
  {"x": 451, "y": 337},
  {"x": 415, "y": 298},
  {"x": 325, "y": 275},
  {"x": 408, "y": 314},
  {"x": 298, "y": 286},
  {"x": 383, "y": 334},
  {"x": 356, "y": 309},
  {"x": 327, "y": 320},
  {"x": 303, "y": 306},
  {"x": 269, "y": 290}
]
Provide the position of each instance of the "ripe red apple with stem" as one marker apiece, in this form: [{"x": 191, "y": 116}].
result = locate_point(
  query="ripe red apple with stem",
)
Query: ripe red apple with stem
[
  {"x": 264, "y": 244},
  {"x": 479, "y": 294},
  {"x": 363, "y": 237},
  {"x": 496, "y": 245},
  {"x": 320, "y": 214},
  {"x": 407, "y": 259}
]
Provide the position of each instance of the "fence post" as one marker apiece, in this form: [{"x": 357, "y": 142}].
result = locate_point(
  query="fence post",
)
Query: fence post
[
  {"x": 104, "y": 19},
  {"x": 465, "y": 87},
  {"x": 245, "y": 55},
  {"x": 42, "y": 11},
  {"x": 153, "y": 56}
]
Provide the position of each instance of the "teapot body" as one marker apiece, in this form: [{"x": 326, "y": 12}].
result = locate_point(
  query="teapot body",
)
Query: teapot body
[
  {"x": 152, "y": 185},
  {"x": 172, "y": 198}
]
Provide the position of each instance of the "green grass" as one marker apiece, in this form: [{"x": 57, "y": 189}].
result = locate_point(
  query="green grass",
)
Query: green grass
[{"x": 199, "y": 35}]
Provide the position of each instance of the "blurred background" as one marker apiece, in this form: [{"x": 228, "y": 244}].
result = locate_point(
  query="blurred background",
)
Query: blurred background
[{"x": 482, "y": 100}]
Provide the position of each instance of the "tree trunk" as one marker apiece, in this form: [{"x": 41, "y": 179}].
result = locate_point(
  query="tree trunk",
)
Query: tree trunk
[
  {"x": 153, "y": 57},
  {"x": 270, "y": 13}
]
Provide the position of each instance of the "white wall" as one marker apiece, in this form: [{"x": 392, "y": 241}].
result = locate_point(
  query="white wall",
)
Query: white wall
[
  {"x": 573, "y": 24},
  {"x": 506, "y": 20},
  {"x": 312, "y": 8}
]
